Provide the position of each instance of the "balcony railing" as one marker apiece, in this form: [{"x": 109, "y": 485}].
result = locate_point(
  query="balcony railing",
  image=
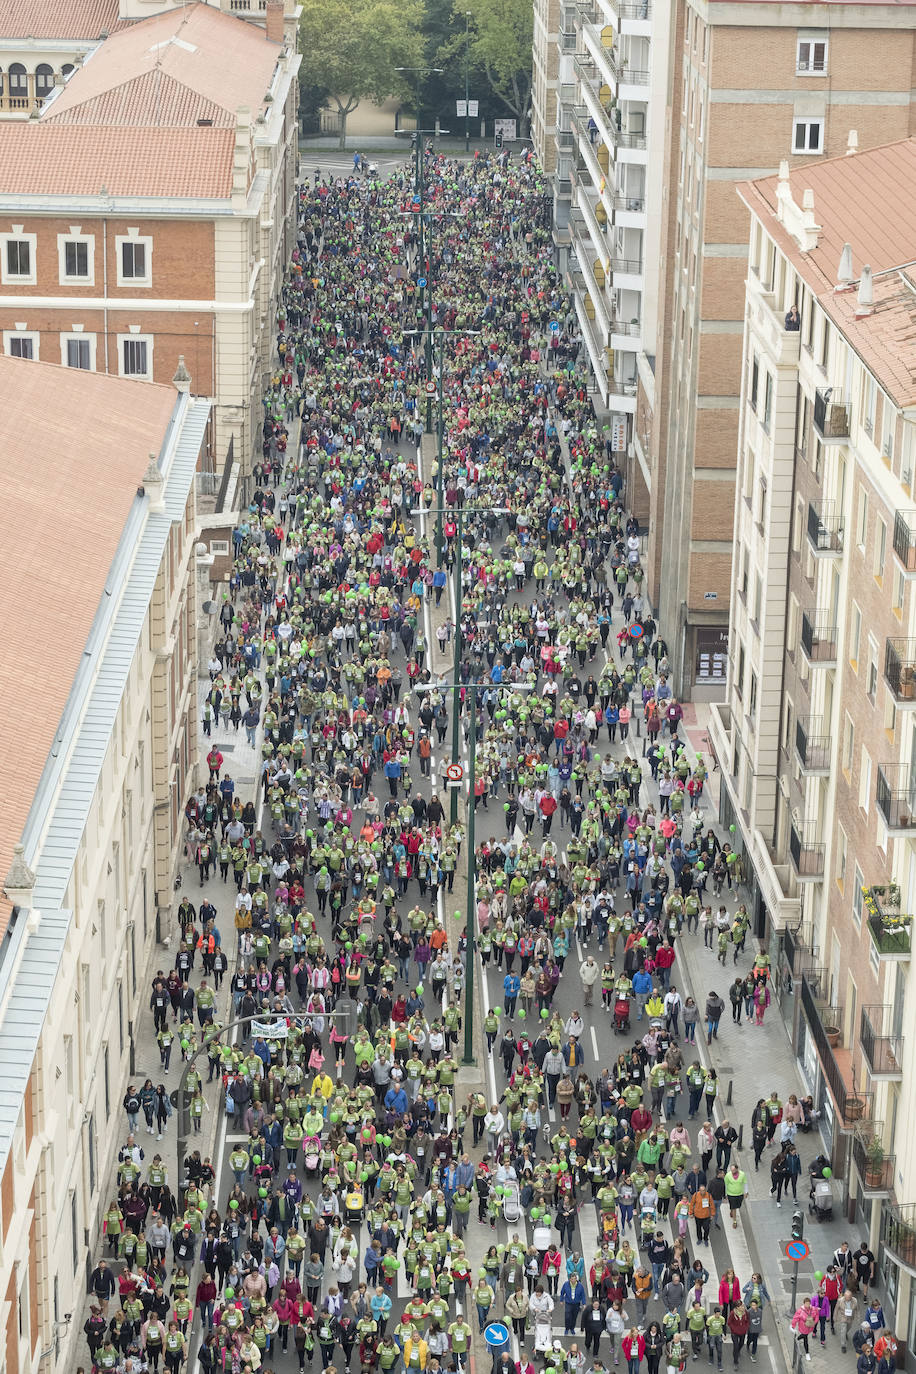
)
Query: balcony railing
[
  {"x": 875, "y": 1168},
  {"x": 632, "y": 328},
  {"x": 905, "y": 539},
  {"x": 900, "y": 671},
  {"x": 883, "y": 1051},
  {"x": 813, "y": 748},
  {"x": 890, "y": 927},
  {"x": 622, "y": 386},
  {"x": 831, "y": 414},
  {"x": 631, "y": 265},
  {"x": 895, "y": 794},
  {"x": 819, "y": 637},
  {"x": 634, "y": 205},
  {"x": 898, "y": 1231},
  {"x": 825, "y": 532},
  {"x": 807, "y": 852},
  {"x": 824, "y": 1022}
]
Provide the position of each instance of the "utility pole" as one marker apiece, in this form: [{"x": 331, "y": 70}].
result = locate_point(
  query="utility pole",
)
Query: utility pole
[{"x": 467, "y": 53}]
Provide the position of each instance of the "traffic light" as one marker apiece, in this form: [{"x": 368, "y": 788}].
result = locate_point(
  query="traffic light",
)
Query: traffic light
[
  {"x": 499, "y": 139},
  {"x": 798, "y": 1225}
]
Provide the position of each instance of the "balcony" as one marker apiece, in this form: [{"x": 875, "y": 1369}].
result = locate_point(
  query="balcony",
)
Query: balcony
[
  {"x": 905, "y": 541},
  {"x": 898, "y": 1232},
  {"x": 622, "y": 388},
  {"x": 825, "y": 530},
  {"x": 895, "y": 795},
  {"x": 883, "y": 1051},
  {"x": 875, "y": 1168},
  {"x": 900, "y": 671},
  {"x": 831, "y": 415},
  {"x": 890, "y": 927},
  {"x": 806, "y": 851},
  {"x": 824, "y": 1022},
  {"x": 813, "y": 748},
  {"x": 564, "y": 137},
  {"x": 630, "y": 205},
  {"x": 819, "y": 638}
]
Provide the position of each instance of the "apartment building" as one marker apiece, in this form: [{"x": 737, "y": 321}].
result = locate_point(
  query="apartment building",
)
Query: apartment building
[
  {"x": 147, "y": 211},
  {"x": 817, "y": 738},
  {"x": 42, "y": 42},
  {"x": 99, "y": 742},
  {"x": 670, "y": 108},
  {"x": 545, "y": 52}
]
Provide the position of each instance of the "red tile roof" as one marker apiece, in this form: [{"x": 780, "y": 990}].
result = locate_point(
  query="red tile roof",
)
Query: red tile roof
[
  {"x": 61, "y": 159},
  {"x": 61, "y": 521},
  {"x": 77, "y": 19},
  {"x": 155, "y": 98}
]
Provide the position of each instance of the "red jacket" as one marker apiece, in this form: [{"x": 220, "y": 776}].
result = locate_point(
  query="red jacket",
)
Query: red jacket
[
  {"x": 724, "y": 1294},
  {"x": 627, "y": 1346}
]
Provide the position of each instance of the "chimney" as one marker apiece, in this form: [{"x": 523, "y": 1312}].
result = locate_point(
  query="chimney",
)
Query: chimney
[
  {"x": 852, "y": 142},
  {"x": 844, "y": 276},
  {"x": 182, "y": 379},
  {"x": 20, "y": 880},
  {"x": 154, "y": 486},
  {"x": 275, "y": 29},
  {"x": 865, "y": 300}
]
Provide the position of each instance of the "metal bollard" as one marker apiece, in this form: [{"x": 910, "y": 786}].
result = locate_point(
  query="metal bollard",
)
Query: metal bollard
[
  {"x": 728, "y": 1097},
  {"x": 741, "y": 1136}
]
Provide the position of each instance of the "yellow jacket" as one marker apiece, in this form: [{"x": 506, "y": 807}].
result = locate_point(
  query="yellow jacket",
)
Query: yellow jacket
[
  {"x": 324, "y": 1084},
  {"x": 408, "y": 1347}
]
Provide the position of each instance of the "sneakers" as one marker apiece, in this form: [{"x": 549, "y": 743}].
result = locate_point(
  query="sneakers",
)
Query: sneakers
[
  {"x": 779, "y": 1204},
  {"x": 807, "y": 1356}
]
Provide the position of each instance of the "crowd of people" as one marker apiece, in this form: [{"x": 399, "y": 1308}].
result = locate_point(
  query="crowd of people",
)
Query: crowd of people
[{"x": 341, "y": 1231}]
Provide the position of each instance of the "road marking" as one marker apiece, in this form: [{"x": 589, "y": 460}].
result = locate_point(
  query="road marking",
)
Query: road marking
[{"x": 595, "y": 1044}]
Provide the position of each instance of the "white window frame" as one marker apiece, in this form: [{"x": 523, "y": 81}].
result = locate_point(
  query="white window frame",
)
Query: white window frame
[
  {"x": 805, "y": 61},
  {"x": 11, "y": 278},
  {"x": 73, "y": 336},
  {"x": 10, "y": 334},
  {"x": 136, "y": 338},
  {"x": 62, "y": 241},
  {"x": 144, "y": 241},
  {"x": 808, "y": 121}
]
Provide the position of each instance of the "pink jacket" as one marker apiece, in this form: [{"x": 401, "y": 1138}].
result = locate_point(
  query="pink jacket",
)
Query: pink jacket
[{"x": 805, "y": 1320}]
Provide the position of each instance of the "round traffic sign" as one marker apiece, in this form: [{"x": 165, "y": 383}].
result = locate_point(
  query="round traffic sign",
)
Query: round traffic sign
[
  {"x": 496, "y": 1334},
  {"x": 798, "y": 1250},
  {"x": 421, "y": 282},
  {"x": 431, "y": 388},
  {"x": 454, "y": 772},
  {"x": 554, "y": 327},
  {"x": 636, "y": 631}
]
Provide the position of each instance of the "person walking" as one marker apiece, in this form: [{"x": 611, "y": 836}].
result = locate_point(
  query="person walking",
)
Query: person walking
[
  {"x": 803, "y": 1323},
  {"x": 735, "y": 1189}
]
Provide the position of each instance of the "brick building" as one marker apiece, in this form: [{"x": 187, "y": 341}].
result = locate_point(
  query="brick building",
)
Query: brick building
[
  {"x": 147, "y": 212},
  {"x": 817, "y": 738},
  {"x": 670, "y": 107}
]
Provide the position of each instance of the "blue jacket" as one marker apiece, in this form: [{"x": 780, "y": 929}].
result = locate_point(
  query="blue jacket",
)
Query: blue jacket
[
  {"x": 396, "y": 1101},
  {"x": 511, "y": 984},
  {"x": 571, "y": 1295},
  {"x": 464, "y": 1173},
  {"x": 642, "y": 982}
]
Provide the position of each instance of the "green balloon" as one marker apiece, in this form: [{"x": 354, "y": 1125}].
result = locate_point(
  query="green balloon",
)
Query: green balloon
[
  {"x": 262, "y": 1192},
  {"x": 481, "y": 1273},
  {"x": 828, "y": 1172},
  {"x": 420, "y": 989},
  {"x": 234, "y": 1205},
  {"x": 535, "y": 1213},
  {"x": 363, "y": 1175},
  {"x": 522, "y": 1013},
  {"x": 544, "y": 1013},
  {"x": 255, "y": 1159},
  {"x": 230, "y": 1294},
  {"x": 818, "y": 1275},
  {"x": 700, "y": 868},
  {"x": 497, "y": 1011},
  {"x": 547, "y": 1220},
  {"x": 554, "y": 1167},
  {"x": 348, "y": 945},
  {"x": 185, "y": 1044},
  {"x": 731, "y": 829},
  {"x": 334, "y": 1117}
]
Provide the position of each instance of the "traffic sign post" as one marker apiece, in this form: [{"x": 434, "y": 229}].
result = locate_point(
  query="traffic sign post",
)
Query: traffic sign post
[
  {"x": 496, "y": 1336},
  {"x": 453, "y": 774},
  {"x": 797, "y": 1250},
  {"x": 431, "y": 388}
]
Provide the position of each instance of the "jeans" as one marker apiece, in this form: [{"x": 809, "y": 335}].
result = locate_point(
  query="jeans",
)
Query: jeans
[
  {"x": 712, "y": 1028},
  {"x": 132, "y": 1119},
  {"x": 657, "y": 1272},
  {"x": 695, "y": 1095},
  {"x": 482, "y": 1316},
  {"x": 715, "y": 1342}
]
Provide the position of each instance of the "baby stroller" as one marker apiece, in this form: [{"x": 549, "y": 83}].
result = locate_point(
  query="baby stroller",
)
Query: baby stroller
[
  {"x": 622, "y": 1015},
  {"x": 512, "y": 1209},
  {"x": 821, "y": 1204}
]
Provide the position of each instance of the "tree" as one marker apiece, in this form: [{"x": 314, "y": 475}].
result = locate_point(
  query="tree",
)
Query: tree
[
  {"x": 501, "y": 38},
  {"x": 352, "y": 48}
]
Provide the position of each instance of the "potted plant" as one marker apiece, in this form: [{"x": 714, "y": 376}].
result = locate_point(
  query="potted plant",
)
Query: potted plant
[
  {"x": 855, "y": 1108},
  {"x": 833, "y": 1035},
  {"x": 874, "y": 1161}
]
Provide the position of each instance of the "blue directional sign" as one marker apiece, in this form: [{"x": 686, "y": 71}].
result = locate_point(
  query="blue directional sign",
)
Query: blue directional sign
[
  {"x": 421, "y": 282},
  {"x": 554, "y": 327},
  {"x": 496, "y": 1335}
]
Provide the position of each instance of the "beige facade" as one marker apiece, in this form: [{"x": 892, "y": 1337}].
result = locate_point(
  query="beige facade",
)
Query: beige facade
[
  {"x": 95, "y": 794},
  {"x": 817, "y": 738}
]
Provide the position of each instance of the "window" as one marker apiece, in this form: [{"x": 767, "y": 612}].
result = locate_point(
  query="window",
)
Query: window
[
  {"x": 755, "y": 380},
  {"x": 758, "y": 598},
  {"x": 44, "y": 80},
  {"x": 899, "y": 594},
  {"x": 849, "y": 744},
  {"x": 880, "y": 547},
  {"x": 752, "y": 697},
  {"x": 855, "y": 635},
  {"x": 862, "y": 520},
  {"x": 134, "y": 257},
  {"x": 865, "y": 780},
  {"x": 857, "y": 885},
  {"x": 18, "y": 260},
  {"x": 739, "y": 677},
  {"x": 869, "y": 404},
  {"x": 742, "y": 590},
  {"x": 807, "y": 135},
  {"x": 811, "y": 57},
  {"x": 75, "y": 259},
  {"x": 841, "y": 852},
  {"x": 136, "y": 355},
  {"x": 20, "y": 345},
  {"x": 798, "y": 525},
  {"x": 762, "y": 501},
  {"x": 871, "y": 680},
  {"x": 78, "y": 350},
  {"x": 888, "y": 424},
  {"x": 768, "y": 402}
]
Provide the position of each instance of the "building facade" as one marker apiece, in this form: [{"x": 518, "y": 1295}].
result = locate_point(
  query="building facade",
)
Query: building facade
[
  {"x": 103, "y": 728},
  {"x": 670, "y": 107},
  {"x": 148, "y": 211},
  {"x": 817, "y": 738}
]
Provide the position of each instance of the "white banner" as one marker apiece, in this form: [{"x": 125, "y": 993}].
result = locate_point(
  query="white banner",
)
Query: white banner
[{"x": 270, "y": 1030}]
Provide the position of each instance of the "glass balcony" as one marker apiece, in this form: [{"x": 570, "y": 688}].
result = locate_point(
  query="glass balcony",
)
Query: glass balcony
[
  {"x": 813, "y": 748},
  {"x": 807, "y": 852},
  {"x": 825, "y": 532},
  {"x": 905, "y": 540},
  {"x": 831, "y": 415},
  {"x": 898, "y": 1231},
  {"x": 895, "y": 795},
  {"x": 883, "y": 1051},
  {"x": 889, "y": 926},
  {"x": 819, "y": 638},
  {"x": 900, "y": 671}
]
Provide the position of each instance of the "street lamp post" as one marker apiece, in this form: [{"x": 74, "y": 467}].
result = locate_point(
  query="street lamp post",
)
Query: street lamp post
[
  {"x": 440, "y": 428},
  {"x": 467, "y": 52},
  {"x": 471, "y": 903}
]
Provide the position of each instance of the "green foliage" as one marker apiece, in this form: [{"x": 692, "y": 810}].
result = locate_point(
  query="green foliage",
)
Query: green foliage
[
  {"x": 351, "y": 48},
  {"x": 501, "y": 37}
]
